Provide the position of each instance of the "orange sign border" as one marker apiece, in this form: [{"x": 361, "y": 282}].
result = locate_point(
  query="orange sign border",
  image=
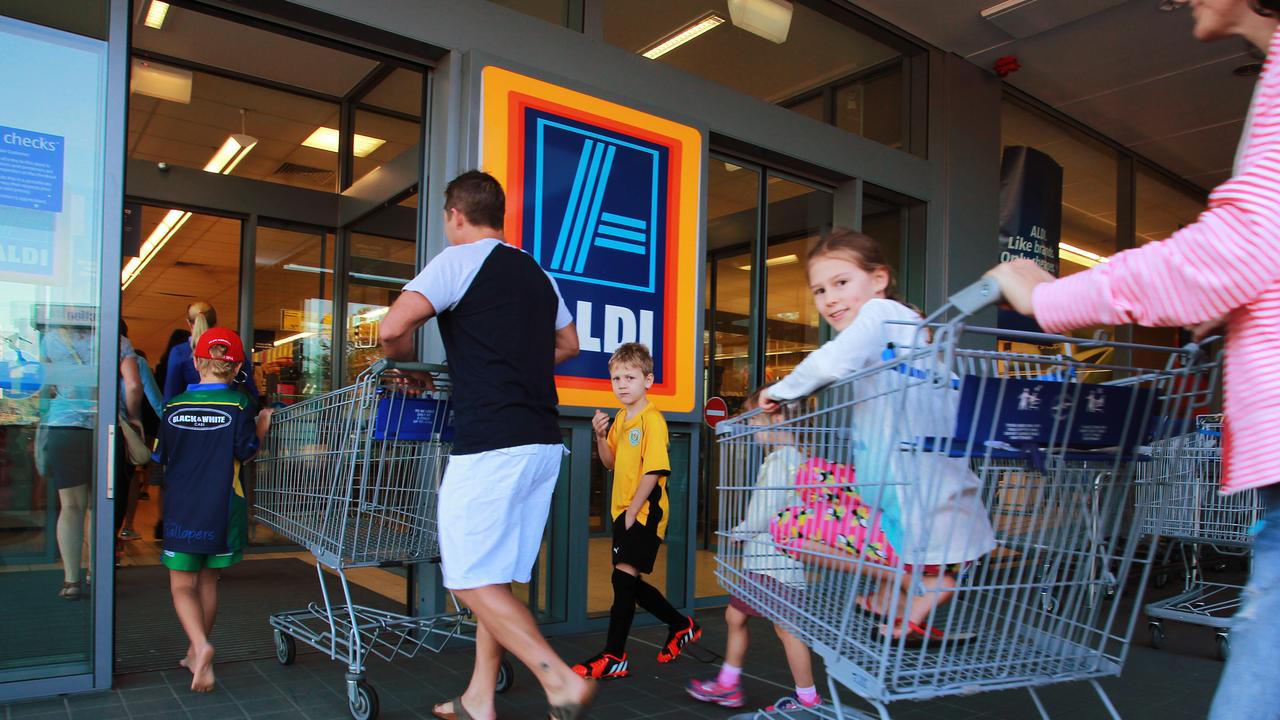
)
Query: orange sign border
[{"x": 505, "y": 97}]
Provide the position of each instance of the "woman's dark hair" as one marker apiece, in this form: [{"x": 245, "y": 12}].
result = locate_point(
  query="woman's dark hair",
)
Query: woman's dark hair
[
  {"x": 177, "y": 337},
  {"x": 1267, "y": 8}
]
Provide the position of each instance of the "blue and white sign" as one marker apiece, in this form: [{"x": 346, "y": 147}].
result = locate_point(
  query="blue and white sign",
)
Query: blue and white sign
[
  {"x": 1039, "y": 412},
  {"x": 407, "y": 419},
  {"x": 596, "y": 220},
  {"x": 31, "y": 169}
]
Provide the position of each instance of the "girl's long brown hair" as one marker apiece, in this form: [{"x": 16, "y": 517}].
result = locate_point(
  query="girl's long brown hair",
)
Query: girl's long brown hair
[{"x": 861, "y": 249}]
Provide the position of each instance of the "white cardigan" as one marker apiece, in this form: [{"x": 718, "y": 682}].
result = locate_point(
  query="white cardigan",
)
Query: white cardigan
[{"x": 932, "y": 513}]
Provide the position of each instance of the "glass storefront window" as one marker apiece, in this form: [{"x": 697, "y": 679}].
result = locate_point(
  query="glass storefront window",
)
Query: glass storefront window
[
  {"x": 293, "y": 313},
  {"x": 873, "y": 107},
  {"x": 52, "y": 338},
  {"x": 1162, "y": 208},
  {"x": 797, "y": 214},
  {"x": 196, "y": 258},
  {"x": 278, "y": 124},
  {"x": 733, "y": 210},
  {"x": 1089, "y": 175},
  {"x": 401, "y": 92},
  {"x": 820, "y": 55},
  {"x": 378, "y": 266},
  {"x": 380, "y": 139}
]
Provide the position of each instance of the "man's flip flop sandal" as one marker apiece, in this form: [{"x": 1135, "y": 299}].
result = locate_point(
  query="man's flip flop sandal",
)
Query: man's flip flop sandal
[{"x": 459, "y": 711}]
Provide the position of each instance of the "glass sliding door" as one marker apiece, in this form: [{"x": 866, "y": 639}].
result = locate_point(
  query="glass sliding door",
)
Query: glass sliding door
[{"x": 56, "y": 346}]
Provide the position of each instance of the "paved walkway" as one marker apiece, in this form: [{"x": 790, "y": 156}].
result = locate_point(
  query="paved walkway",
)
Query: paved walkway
[{"x": 1174, "y": 684}]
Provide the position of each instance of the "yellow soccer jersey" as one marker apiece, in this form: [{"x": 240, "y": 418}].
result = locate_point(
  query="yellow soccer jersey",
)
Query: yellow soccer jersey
[{"x": 639, "y": 448}]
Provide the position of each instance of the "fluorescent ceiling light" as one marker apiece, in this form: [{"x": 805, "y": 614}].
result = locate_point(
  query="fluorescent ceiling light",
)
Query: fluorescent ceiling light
[
  {"x": 231, "y": 153},
  {"x": 356, "y": 275},
  {"x": 776, "y": 261},
  {"x": 156, "y": 14},
  {"x": 168, "y": 227},
  {"x": 160, "y": 81},
  {"x": 325, "y": 138},
  {"x": 291, "y": 338},
  {"x": 770, "y": 19},
  {"x": 682, "y": 36},
  {"x": 375, "y": 313},
  {"x": 1080, "y": 256}
]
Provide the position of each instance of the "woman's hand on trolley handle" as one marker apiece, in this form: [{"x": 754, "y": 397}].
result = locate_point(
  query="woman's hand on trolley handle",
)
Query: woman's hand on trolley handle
[
  {"x": 409, "y": 380},
  {"x": 1018, "y": 280}
]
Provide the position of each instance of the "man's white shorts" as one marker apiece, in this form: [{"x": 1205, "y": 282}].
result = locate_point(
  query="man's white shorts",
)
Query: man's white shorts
[{"x": 493, "y": 509}]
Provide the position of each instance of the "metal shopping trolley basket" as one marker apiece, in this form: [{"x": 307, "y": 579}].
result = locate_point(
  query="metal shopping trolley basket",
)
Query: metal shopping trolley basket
[
  {"x": 353, "y": 475},
  {"x": 1178, "y": 498},
  {"x": 990, "y": 506}
]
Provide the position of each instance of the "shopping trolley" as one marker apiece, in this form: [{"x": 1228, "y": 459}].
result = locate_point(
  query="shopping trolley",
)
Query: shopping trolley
[
  {"x": 353, "y": 476},
  {"x": 1050, "y": 459},
  {"x": 1178, "y": 498}
]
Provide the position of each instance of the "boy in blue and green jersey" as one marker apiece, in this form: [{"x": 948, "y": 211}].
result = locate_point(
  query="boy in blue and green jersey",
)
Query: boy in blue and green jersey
[{"x": 206, "y": 435}]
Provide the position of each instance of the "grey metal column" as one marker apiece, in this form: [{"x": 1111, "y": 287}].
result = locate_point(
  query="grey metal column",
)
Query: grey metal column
[
  {"x": 108, "y": 363},
  {"x": 248, "y": 264}
]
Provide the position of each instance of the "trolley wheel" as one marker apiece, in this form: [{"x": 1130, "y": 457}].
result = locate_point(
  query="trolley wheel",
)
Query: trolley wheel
[
  {"x": 362, "y": 701},
  {"x": 286, "y": 648},
  {"x": 506, "y": 676},
  {"x": 1224, "y": 646},
  {"x": 1160, "y": 579},
  {"x": 1155, "y": 631}
]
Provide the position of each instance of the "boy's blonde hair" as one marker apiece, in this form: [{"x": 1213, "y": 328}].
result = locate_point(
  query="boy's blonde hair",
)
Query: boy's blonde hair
[
  {"x": 633, "y": 353},
  {"x": 223, "y": 370}
]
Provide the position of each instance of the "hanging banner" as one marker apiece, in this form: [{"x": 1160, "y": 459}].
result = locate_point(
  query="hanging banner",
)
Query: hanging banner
[
  {"x": 1030, "y": 216},
  {"x": 606, "y": 198}
]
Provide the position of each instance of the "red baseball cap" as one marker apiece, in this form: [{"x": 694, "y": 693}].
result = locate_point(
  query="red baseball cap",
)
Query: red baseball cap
[{"x": 220, "y": 336}]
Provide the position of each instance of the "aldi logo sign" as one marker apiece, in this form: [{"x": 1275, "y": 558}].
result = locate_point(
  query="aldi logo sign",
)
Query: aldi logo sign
[{"x": 606, "y": 198}]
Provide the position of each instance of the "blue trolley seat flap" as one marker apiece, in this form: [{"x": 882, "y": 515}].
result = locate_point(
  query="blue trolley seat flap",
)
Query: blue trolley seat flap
[
  {"x": 1011, "y": 417},
  {"x": 413, "y": 419}
]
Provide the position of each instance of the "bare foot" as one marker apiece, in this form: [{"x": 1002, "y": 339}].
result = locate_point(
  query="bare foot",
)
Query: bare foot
[
  {"x": 576, "y": 690},
  {"x": 202, "y": 669},
  {"x": 186, "y": 661},
  {"x": 938, "y": 589}
]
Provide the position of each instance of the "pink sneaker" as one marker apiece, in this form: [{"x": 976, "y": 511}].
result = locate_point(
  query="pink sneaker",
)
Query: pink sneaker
[{"x": 713, "y": 692}]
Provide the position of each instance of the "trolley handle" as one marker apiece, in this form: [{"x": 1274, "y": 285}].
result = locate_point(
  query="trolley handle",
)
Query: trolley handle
[
  {"x": 976, "y": 297},
  {"x": 407, "y": 365}
]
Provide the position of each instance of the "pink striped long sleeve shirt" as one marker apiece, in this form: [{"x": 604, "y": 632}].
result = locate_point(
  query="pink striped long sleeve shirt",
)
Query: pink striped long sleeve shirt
[{"x": 1227, "y": 263}]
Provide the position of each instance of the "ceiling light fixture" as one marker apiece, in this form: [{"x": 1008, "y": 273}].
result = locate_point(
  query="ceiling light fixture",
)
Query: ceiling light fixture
[
  {"x": 1080, "y": 256},
  {"x": 291, "y": 338},
  {"x": 356, "y": 275},
  {"x": 156, "y": 14},
  {"x": 160, "y": 81},
  {"x": 770, "y": 19},
  {"x": 707, "y": 22},
  {"x": 168, "y": 227},
  {"x": 233, "y": 150},
  {"x": 776, "y": 261},
  {"x": 326, "y": 138}
]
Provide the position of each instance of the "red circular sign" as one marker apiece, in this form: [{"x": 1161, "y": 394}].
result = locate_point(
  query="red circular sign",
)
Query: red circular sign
[{"x": 715, "y": 411}]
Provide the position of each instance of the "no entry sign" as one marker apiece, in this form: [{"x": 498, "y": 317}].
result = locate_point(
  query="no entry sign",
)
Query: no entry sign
[{"x": 715, "y": 411}]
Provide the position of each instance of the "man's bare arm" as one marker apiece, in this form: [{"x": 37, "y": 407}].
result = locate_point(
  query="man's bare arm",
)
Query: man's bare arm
[
  {"x": 408, "y": 313},
  {"x": 566, "y": 343}
]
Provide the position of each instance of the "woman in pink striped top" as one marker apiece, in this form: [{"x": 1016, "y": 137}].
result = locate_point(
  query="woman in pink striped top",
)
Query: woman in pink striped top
[{"x": 1223, "y": 269}]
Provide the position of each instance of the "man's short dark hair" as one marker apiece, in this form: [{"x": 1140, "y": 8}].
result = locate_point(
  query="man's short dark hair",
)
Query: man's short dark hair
[{"x": 479, "y": 197}]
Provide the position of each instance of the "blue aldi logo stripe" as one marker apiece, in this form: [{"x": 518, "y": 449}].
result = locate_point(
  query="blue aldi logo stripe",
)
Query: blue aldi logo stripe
[{"x": 596, "y": 220}]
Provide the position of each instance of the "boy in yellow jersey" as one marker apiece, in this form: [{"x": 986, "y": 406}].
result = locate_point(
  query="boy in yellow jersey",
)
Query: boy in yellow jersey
[{"x": 635, "y": 448}]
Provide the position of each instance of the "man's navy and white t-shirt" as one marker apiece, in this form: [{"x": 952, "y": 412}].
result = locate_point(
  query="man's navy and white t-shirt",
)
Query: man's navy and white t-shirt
[{"x": 498, "y": 313}]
